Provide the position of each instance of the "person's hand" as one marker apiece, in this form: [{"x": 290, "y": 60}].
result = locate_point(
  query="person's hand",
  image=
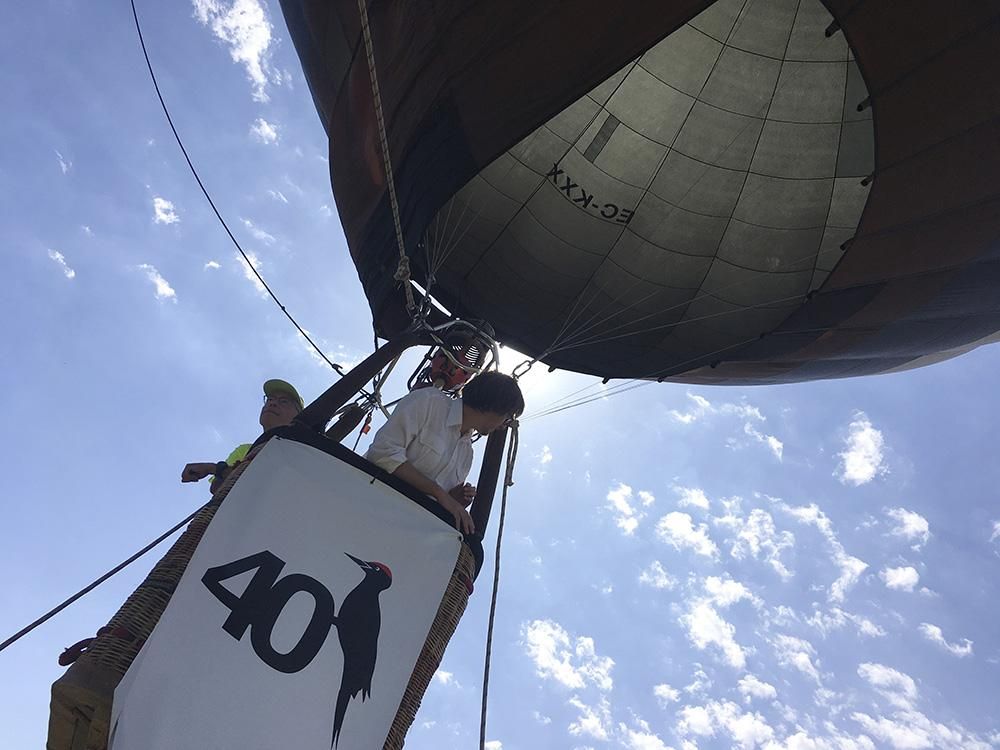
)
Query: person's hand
[
  {"x": 463, "y": 521},
  {"x": 463, "y": 494},
  {"x": 195, "y": 472}
]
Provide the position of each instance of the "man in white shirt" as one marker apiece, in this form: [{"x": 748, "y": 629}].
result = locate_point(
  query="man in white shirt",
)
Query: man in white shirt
[{"x": 427, "y": 441}]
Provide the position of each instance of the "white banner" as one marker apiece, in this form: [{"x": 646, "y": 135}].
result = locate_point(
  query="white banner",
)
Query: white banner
[{"x": 299, "y": 619}]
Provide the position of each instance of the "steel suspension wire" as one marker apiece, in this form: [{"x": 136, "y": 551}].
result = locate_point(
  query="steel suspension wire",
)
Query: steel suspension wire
[
  {"x": 211, "y": 203},
  {"x": 508, "y": 482},
  {"x": 90, "y": 587}
]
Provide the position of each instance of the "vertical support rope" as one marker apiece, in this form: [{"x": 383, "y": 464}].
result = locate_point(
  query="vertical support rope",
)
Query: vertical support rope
[
  {"x": 403, "y": 269},
  {"x": 507, "y": 482}
]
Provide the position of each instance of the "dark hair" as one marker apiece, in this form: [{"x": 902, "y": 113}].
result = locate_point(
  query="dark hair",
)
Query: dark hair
[{"x": 494, "y": 392}]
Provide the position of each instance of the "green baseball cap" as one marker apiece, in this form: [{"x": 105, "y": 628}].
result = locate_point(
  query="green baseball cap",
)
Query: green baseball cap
[{"x": 273, "y": 387}]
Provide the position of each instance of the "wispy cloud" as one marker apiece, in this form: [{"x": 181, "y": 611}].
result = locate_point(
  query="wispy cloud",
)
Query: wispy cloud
[
  {"x": 934, "y": 634},
  {"x": 64, "y": 164},
  {"x": 706, "y": 627},
  {"x": 897, "y": 687},
  {"x": 796, "y": 653},
  {"x": 657, "y": 577},
  {"x": 570, "y": 661},
  {"x": 850, "y": 567},
  {"x": 544, "y": 458},
  {"x": 757, "y": 537},
  {"x": 258, "y": 234},
  {"x": 160, "y": 284},
  {"x": 164, "y": 212},
  {"x": 691, "y": 496},
  {"x": 751, "y": 687},
  {"x": 244, "y": 26},
  {"x": 678, "y": 530},
  {"x": 263, "y": 131},
  {"x": 900, "y": 579},
  {"x": 278, "y": 196},
  {"x": 60, "y": 260},
  {"x": 862, "y": 458},
  {"x": 627, "y": 506},
  {"x": 249, "y": 265},
  {"x": 212, "y": 265},
  {"x": 666, "y": 694},
  {"x": 909, "y": 525}
]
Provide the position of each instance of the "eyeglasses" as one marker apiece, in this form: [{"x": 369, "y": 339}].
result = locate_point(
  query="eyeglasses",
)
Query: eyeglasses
[{"x": 281, "y": 400}]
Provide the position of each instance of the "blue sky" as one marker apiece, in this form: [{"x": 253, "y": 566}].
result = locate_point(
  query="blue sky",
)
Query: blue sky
[{"x": 809, "y": 566}]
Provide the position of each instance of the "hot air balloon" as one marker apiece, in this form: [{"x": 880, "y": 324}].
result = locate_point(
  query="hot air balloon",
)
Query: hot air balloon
[{"x": 730, "y": 192}]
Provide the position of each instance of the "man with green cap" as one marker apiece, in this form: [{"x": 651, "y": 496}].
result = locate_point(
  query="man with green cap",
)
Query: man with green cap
[{"x": 282, "y": 403}]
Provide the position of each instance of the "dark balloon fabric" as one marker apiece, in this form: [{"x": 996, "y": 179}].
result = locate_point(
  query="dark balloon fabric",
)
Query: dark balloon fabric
[{"x": 744, "y": 191}]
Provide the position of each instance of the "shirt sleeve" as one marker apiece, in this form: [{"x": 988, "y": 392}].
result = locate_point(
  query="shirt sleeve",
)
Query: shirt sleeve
[{"x": 388, "y": 448}]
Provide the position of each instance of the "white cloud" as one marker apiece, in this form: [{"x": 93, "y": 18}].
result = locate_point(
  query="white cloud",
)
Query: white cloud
[
  {"x": 678, "y": 530},
  {"x": 163, "y": 211},
  {"x": 701, "y": 407},
  {"x": 835, "y": 619},
  {"x": 212, "y": 264},
  {"x": 862, "y": 459},
  {"x": 912, "y": 730},
  {"x": 796, "y": 653},
  {"x": 544, "y": 459},
  {"x": 594, "y": 721},
  {"x": 60, "y": 260},
  {"x": 747, "y": 730},
  {"x": 909, "y": 525},
  {"x": 898, "y": 688},
  {"x": 541, "y": 718},
  {"x": 691, "y": 496},
  {"x": 935, "y": 634},
  {"x": 64, "y": 165},
  {"x": 996, "y": 531},
  {"x": 278, "y": 195},
  {"x": 642, "y": 738},
  {"x": 620, "y": 500},
  {"x": 325, "y": 211},
  {"x": 850, "y": 567},
  {"x": 666, "y": 694},
  {"x": 725, "y": 591},
  {"x": 751, "y": 687},
  {"x": 776, "y": 446},
  {"x": 263, "y": 131},
  {"x": 570, "y": 662},
  {"x": 657, "y": 577},
  {"x": 493, "y": 745},
  {"x": 87, "y": 230},
  {"x": 258, "y": 233},
  {"x": 446, "y": 678},
  {"x": 758, "y": 537},
  {"x": 244, "y": 26},
  {"x": 700, "y": 684},
  {"x": 163, "y": 288},
  {"x": 900, "y": 579},
  {"x": 706, "y": 627},
  {"x": 249, "y": 264}
]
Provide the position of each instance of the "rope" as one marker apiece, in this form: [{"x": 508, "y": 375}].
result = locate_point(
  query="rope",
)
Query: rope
[
  {"x": 507, "y": 482},
  {"x": 403, "y": 269},
  {"x": 87, "y": 589}
]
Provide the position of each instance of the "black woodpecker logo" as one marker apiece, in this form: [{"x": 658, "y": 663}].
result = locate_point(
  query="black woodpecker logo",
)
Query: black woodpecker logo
[{"x": 358, "y": 625}]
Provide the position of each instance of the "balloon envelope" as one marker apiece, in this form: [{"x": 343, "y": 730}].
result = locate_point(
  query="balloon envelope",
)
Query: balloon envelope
[{"x": 744, "y": 191}]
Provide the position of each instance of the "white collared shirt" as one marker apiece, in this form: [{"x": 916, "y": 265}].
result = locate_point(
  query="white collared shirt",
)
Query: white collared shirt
[{"x": 425, "y": 429}]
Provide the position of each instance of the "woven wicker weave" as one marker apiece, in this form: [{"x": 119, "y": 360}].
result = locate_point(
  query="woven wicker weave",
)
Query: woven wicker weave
[
  {"x": 456, "y": 597},
  {"x": 80, "y": 712}
]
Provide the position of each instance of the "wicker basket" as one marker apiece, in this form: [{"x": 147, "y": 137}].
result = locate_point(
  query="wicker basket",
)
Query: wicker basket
[{"x": 80, "y": 711}]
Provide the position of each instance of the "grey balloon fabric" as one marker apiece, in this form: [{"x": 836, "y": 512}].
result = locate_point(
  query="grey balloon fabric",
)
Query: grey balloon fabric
[
  {"x": 740, "y": 191},
  {"x": 681, "y": 208}
]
